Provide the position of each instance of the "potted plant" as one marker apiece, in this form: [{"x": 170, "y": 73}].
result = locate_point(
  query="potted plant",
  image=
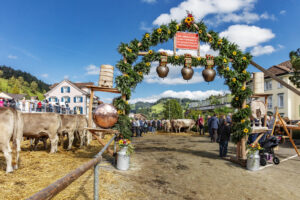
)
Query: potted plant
[
  {"x": 253, "y": 158},
  {"x": 126, "y": 149}
]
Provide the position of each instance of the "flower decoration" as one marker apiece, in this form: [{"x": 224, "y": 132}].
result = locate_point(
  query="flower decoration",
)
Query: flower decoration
[
  {"x": 210, "y": 40},
  {"x": 140, "y": 73},
  {"x": 247, "y": 106},
  {"x": 177, "y": 27},
  {"x": 176, "y": 57},
  {"x": 246, "y": 130},
  {"x": 189, "y": 19},
  {"x": 243, "y": 88},
  {"x": 200, "y": 31},
  {"x": 126, "y": 75},
  {"x": 252, "y": 148},
  {"x": 147, "y": 35},
  {"x": 227, "y": 68},
  {"x": 244, "y": 58},
  {"x": 225, "y": 60},
  {"x": 129, "y": 50},
  {"x": 234, "y": 53},
  {"x": 198, "y": 58},
  {"x": 159, "y": 30},
  {"x": 220, "y": 41},
  {"x": 236, "y": 98},
  {"x": 150, "y": 52},
  {"x": 126, "y": 143},
  {"x": 234, "y": 80},
  {"x": 243, "y": 121},
  {"x": 120, "y": 112},
  {"x": 126, "y": 102},
  {"x": 148, "y": 64},
  {"x": 244, "y": 71},
  {"x": 169, "y": 32}
]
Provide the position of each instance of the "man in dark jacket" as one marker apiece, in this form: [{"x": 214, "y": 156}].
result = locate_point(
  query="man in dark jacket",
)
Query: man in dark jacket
[{"x": 224, "y": 139}]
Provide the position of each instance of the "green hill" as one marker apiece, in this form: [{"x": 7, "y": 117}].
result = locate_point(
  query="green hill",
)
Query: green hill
[{"x": 19, "y": 82}]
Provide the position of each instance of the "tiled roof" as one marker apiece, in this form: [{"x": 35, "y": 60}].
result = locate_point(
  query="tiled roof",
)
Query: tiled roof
[
  {"x": 79, "y": 85},
  {"x": 16, "y": 96},
  {"x": 280, "y": 69}
]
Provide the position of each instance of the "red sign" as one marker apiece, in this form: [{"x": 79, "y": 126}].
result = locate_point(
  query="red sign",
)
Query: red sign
[{"x": 187, "y": 40}]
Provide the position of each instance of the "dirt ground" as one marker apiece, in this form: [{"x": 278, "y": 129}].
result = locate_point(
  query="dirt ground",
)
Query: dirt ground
[{"x": 164, "y": 166}]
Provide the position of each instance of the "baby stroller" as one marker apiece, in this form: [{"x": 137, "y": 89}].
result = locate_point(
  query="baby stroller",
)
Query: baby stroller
[{"x": 267, "y": 153}]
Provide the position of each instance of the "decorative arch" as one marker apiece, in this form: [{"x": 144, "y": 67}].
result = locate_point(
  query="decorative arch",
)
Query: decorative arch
[{"x": 235, "y": 75}]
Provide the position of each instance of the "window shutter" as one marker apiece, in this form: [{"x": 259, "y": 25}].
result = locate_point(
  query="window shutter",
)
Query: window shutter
[
  {"x": 62, "y": 90},
  {"x": 80, "y": 110},
  {"x": 69, "y": 99},
  {"x": 81, "y": 99},
  {"x": 68, "y": 89},
  {"x": 74, "y": 109},
  {"x": 56, "y": 99},
  {"x": 74, "y": 100},
  {"x": 62, "y": 99}
]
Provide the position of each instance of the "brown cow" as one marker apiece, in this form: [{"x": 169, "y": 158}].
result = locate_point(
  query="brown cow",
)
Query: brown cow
[
  {"x": 69, "y": 126},
  {"x": 42, "y": 124},
  {"x": 11, "y": 126},
  {"x": 182, "y": 123}
]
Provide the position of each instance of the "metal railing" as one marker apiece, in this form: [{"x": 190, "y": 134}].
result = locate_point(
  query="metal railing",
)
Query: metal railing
[{"x": 59, "y": 185}]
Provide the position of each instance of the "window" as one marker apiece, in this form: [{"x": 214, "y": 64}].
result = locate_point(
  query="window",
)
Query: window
[
  {"x": 53, "y": 99},
  {"x": 279, "y": 84},
  {"x": 78, "y": 110},
  {"x": 78, "y": 99},
  {"x": 65, "y": 89},
  {"x": 65, "y": 99},
  {"x": 268, "y": 85},
  {"x": 270, "y": 103},
  {"x": 280, "y": 100}
]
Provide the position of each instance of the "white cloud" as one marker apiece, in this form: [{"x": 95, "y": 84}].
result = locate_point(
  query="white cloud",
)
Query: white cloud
[
  {"x": 261, "y": 50},
  {"x": 265, "y": 15},
  {"x": 202, "y": 8},
  {"x": 92, "y": 70},
  {"x": 144, "y": 27},
  {"x": 149, "y": 1},
  {"x": 247, "y": 36},
  {"x": 12, "y": 57},
  {"x": 66, "y": 77},
  {"x": 282, "y": 12},
  {"x": 44, "y": 75},
  {"x": 245, "y": 16},
  {"x": 195, "y": 95}
]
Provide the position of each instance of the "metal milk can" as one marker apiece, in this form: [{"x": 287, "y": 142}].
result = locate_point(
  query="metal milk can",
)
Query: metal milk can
[
  {"x": 253, "y": 161},
  {"x": 123, "y": 159}
]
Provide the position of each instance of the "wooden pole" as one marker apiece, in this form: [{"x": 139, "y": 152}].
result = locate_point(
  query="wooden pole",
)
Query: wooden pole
[
  {"x": 244, "y": 139},
  {"x": 266, "y": 105},
  {"x": 274, "y": 125},
  {"x": 56, "y": 187},
  {"x": 275, "y": 78},
  {"x": 91, "y": 107}
]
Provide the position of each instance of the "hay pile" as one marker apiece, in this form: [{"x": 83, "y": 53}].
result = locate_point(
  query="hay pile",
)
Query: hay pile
[{"x": 39, "y": 169}]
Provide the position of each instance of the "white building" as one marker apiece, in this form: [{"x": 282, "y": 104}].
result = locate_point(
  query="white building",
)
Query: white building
[{"x": 75, "y": 94}]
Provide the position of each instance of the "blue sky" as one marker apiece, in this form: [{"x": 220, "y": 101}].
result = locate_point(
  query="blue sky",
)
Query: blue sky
[{"x": 60, "y": 39}]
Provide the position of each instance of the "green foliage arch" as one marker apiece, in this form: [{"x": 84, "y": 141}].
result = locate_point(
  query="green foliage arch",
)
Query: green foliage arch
[{"x": 235, "y": 75}]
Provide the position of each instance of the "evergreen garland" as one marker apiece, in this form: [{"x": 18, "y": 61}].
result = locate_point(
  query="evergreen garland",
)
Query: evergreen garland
[{"x": 235, "y": 76}]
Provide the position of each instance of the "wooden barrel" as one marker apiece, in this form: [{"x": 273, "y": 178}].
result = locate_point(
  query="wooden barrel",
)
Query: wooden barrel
[
  {"x": 106, "y": 77},
  {"x": 258, "y": 83}
]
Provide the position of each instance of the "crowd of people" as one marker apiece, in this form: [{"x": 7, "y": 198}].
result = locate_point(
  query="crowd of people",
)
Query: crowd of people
[
  {"x": 37, "y": 106},
  {"x": 219, "y": 129},
  {"x": 140, "y": 127}
]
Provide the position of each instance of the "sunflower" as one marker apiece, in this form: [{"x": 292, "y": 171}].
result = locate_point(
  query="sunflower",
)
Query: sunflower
[
  {"x": 188, "y": 20},
  {"x": 120, "y": 112},
  {"x": 120, "y": 141},
  {"x": 177, "y": 27},
  {"x": 243, "y": 88},
  {"x": 150, "y": 52},
  {"x": 210, "y": 40},
  {"x": 243, "y": 121},
  {"x": 220, "y": 41},
  {"x": 236, "y": 98},
  {"x": 169, "y": 32},
  {"x": 244, "y": 58},
  {"x": 234, "y": 80},
  {"x": 126, "y": 102},
  {"x": 199, "y": 58},
  {"x": 200, "y": 31},
  {"x": 147, "y": 35},
  {"x": 227, "y": 68},
  {"x": 247, "y": 106},
  {"x": 148, "y": 64},
  {"x": 244, "y": 71},
  {"x": 234, "y": 53},
  {"x": 130, "y": 50},
  {"x": 225, "y": 60},
  {"x": 159, "y": 31},
  {"x": 176, "y": 57},
  {"x": 246, "y": 130},
  {"x": 126, "y": 75},
  {"x": 140, "y": 73}
]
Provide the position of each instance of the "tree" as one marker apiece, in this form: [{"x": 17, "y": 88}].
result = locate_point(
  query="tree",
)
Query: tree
[
  {"x": 193, "y": 114},
  {"x": 33, "y": 86},
  {"x": 15, "y": 89},
  {"x": 295, "y": 60},
  {"x": 213, "y": 100},
  {"x": 1, "y": 73},
  {"x": 172, "y": 109}
]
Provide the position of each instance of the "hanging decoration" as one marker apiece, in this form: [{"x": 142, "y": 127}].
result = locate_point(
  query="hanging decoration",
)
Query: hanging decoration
[
  {"x": 209, "y": 73},
  {"x": 187, "y": 71},
  {"x": 228, "y": 52},
  {"x": 163, "y": 70}
]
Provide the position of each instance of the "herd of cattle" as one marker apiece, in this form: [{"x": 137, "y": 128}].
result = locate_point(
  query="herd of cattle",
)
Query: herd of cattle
[
  {"x": 15, "y": 125},
  {"x": 178, "y": 124}
]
